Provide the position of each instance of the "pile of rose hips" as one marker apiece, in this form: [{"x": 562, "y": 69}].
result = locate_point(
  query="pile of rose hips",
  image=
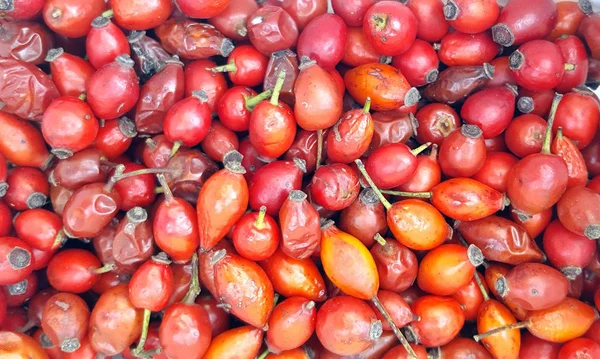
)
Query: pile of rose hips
[{"x": 391, "y": 180}]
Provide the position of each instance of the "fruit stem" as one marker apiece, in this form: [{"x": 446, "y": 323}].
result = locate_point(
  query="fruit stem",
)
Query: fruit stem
[
  {"x": 484, "y": 292},
  {"x": 82, "y": 97},
  {"x": 105, "y": 268},
  {"x": 108, "y": 13},
  {"x": 144, "y": 171},
  {"x": 559, "y": 133},
  {"x": 361, "y": 168},
  {"x": 319, "y": 147},
  {"x": 194, "y": 290},
  {"x": 175, "y": 148},
  {"x": 251, "y": 102},
  {"x": 165, "y": 186},
  {"x": 264, "y": 354},
  {"x": 548, "y": 134},
  {"x": 501, "y": 329},
  {"x": 277, "y": 89},
  {"x": 367, "y": 106},
  {"x": 119, "y": 169},
  {"x": 420, "y": 149},
  {"x": 395, "y": 329},
  {"x": 569, "y": 67},
  {"x": 229, "y": 67},
  {"x": 260, "y": 219},
  {"x": 276, "y": 298},
  {"x": 59, "y": 239},
  {"x": 140, "y": 347},
  {"x": 434, "y": 152},
  {"x": 159, "y": 190},
  {"x": 379, "y": 239},
  {"x": 408, "y": 194}
]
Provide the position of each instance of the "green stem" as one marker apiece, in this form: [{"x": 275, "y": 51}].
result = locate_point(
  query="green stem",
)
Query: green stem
[
  {"x": 251, "y": 102},
  {"x": 484, "y": 292},
  {"x": 108, "y": 13},
  {"x": 420, "y": 149},
  {"x": 361, "y": 168},
  {"x": 379, "y": 239},
  {"x": 230, "y": 67},
  {"x": 367, "y": 106},
  {"x": 175, "y": 148},
  {"x": 165, "y": 186},
  {"x": 194, "y": 290},
  {"x": 569, "y": 67},
  {"x": 548, "y": 134},
  {"x": 140, "y": 347},
  {"x": 408, "y": 194},
  {"x": 277, "y": 89},
  {"x": 83, "y": 96},
  {"x": 264, "y": 354},
  {"x": 260, "y": 219},
  {"x": 394, "y": 327},
  {"x": 105, "y": 268}
]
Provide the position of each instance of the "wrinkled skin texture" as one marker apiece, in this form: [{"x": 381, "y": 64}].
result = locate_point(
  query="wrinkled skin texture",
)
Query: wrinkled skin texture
[
  {"x": 192, "y": 40},
  {"x": 26, "y": 90},
  {"x": 500, "y": 240},
  {"x": 456, "y": 83},
  {"x": 26, "y": 41},
  {"x": 300, "y": 228}
]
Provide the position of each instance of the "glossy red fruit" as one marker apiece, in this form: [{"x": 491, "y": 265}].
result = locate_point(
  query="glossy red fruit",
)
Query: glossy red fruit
[
  {"x": 221, "y": 202},
  {"x": 185, "y": 331},
  {"x": 459, "y": 49},
  {"x": 441, "y": 320},
  {"x": 175, "y": 226},
  {"x": 495, "y": 169},
  {"x": 323, "y": 40},
  {"x": 70, "y": 73},
  {"x": 510, "y": 28},
  {"x": 578, "y": 211},
  {"x": 40, "y": 228},
  {"x": 525, "y": 135},
  {"x": 239, "y": 280},
  {"x": 70, "y": 17},
  {"x": 272, "y": 29},
  {"x": 490, "y": 109},
  {"x": 435, "y": 122},
  {"x": 256, "y": 236},
  {"x": 232, "y": 21},
  {"x": 16, "y": 264},
  {"x": 316, "y": 109},
  {"x": 188, "y": 121},
  {"x": 384, "y": 174},
  {"x": 133, "y": 15},
  {"x": 580, "y": 347},
  {"x": 390, "y": 27},
  {"x": 65, "y": 321},
  {"x": 462, "y": 153},
  {"x": 114, "y": 89},
  {"x": 245, "y": 66},
  {"x": 532, "y": 286},
  {"x": 273, "y": 182},
  {"x": 28, "y": 188},
  {"x": 335, "y": 186},
  {"x": 23, "y": 9},
  {"x": 113, "y": 40},
  {"x": 351, "y": 336},
  {"x": 576, "y": 63},
  {"x": 291, "y": 324},
  {"x": 432, "y": 25},
  {"x": 278, "y": 120},
  {"x": 114, "y": 310},
  {"x": 75, "y": 270},
  {"x": 578, "y": 114},
  {"x": 567, "y": 251},
  {"x": 537, "y": 65},
  {"x": 533, "y": 347},
  {"x": 69, "y": 126},
  {"x": 23, "y": 144},
  {"x": 471, "y": 17},
  {"x": 419, "y": 64}
]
